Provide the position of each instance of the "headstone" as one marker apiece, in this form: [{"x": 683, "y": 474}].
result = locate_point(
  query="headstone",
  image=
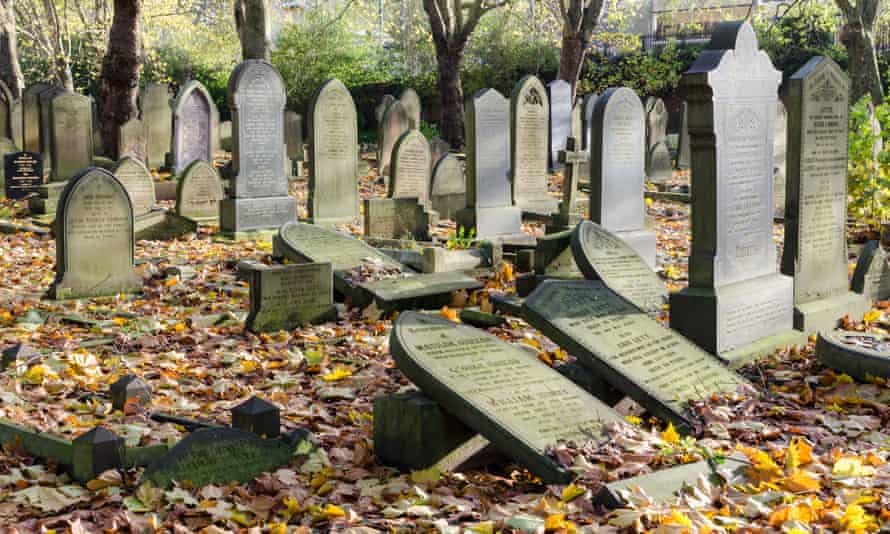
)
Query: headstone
[
  {"x": 392, "y": 126},
  {"x": 94, "y": 243},
  {"x": 871, "y": 278},
  {"x": 132, "y": 140},
  {"x": 199, "y": 192},
  {"x": 683, "y": 154},
  {"x": 193, "y": 122},
  {"x": 572, "y": 209},
  {"x": 258, "y": 196},
  {"x": 497, "y": 389},
  {"x": 602, "y": 256},
  {"x": 129, "y": 389},
  {"x": 439, "y": 148},
  {"x": 530, "y": 113},
  {"x": 617, "y": 170},
  {"x": 7, "y": 146},
  {"x": 17, "y": 117},
  {"x": 46, "y": 126},
  {"x": 333, "y": 156},
  {"x": 411, "y": 168},
  {"x": 815, "y": 251},
  {"x": 448, "y": 192},
  {"x": 6, "y": 103},
  {"x": 656, "y": 367},
  {"x": 490, "y": 209},
  {"x": 226, "y": 142},
  {"x": 396, "y": 218},
  {"x": 157, "y": 117},
  {"x": 588, "y": 105},
  {"x": 658, "y": 163},
  {"x": 656, "y": 123},
  {"x": 31, "y": 116},
  {"x": 283, "y": 297},
  {"x": 364, "y": 274},
  {"x": 72, "y": 135},
  {"x": 560, "y": 92},
  {"x": 23, "y": 174},
  {"x": 737, "y": 305},
  {"x": 863, "y": 355},
  {"x": 136, "y": 179},
  {"x": 381, "y": 107},
  {"x": 780, "y": 153},
  {"x": 411, "y": 101},
  {"x": 258, "y": 416},
  {"x": 293, "y": 135}
]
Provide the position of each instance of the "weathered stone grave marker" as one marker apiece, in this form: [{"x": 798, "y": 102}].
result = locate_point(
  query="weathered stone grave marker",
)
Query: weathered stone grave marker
[
  {"x": 871, "y": 278},
  {"x": 560, "y": 93},
  {"x": 410, "y": 176},
  {"x": 136, "y": 179},
  {"x": 410, "y": 99},
  {"x": 396, "y": 218},
  {"x": 658, "y": 163},
  {"x": 572, "y": 209},
  {"x": 862, "y": 355},
  {"x": 194, "y": 121},
  {"x": 530, "y": 114},
  {"x": 71, "y": 119},
  {"x": 23, "y": 174},
  {"x": 293, "y": 137},
  {"x": 393, "y": 124},
  {"x": 283, "y": 297},
  {"x": 199, "y": 192},
  {"x": 381, "y": 107},
  {"x": 656, "y": 123},
  {"x": 132, "y": 140},
  {"x": 588, "y": 104},
  {"x": 448, "y": 191},
  {"x": 157, "y": 117},
  {"x": 31, "y": 116},
  {"x": 780, "y": 155}
]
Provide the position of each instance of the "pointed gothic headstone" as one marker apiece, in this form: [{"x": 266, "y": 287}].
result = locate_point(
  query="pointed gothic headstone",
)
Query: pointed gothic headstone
[
  {"x": 194, "y": 119},
  {"x": 530, "y": 113}
]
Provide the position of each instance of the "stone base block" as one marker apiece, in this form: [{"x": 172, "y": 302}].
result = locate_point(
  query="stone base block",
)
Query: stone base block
[
  {"x": 824, "y": 314},
  {"x": 440, "y": 260},
  {"x": 47, "y": 198},
  {"x": 763, "y": 347},
  {"x": 643, "y": 241},
  {"x": 491, "y": 223},
  {"x": 249, "y": 214}
]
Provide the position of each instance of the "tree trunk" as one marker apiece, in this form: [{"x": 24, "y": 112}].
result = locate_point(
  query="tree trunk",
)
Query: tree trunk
[
  {"x": 865, "y": 78},
  {"x": 252, "y": 23},
  {"x": 119, "y": 82},
  {"x": 571, "y": 58},
  {"x": 10, "y": 70},
  {"x": 451, "y": 94}
]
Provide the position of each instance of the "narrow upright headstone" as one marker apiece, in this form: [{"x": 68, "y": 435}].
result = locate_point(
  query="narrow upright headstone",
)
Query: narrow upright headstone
[
  {"x": 815, "y": 251},
  {"x": 780, "y": 154},
  {"x": 199, "y": 192},
  {"x": 617, "y": 170},
  {"x": 193, "y": 120},
  {"x": 72, "y": 135},
  {"x": 333, "y": 156},
  {"x": 656, "y": 123},
  {"x": 293, "y": 135},
  {"x": 381, "y": 107},
  {"x": 737, "y": 305},
  {"x": 490, "y": 209},
  {"x": 132, "y": 141},
  {"x": 410, "y": 99},
  {"x": 17, "y": 118},
  {"x": 448, "y": 192},
  {"x": 31, "y": 116},
  {"x": 683, "y": 154},
  {"x": 411, "y": 168},
  {"x": 560, "y": 92},
  {"x": 6, "y": 103},
  {"x": 393, "y": 124},
  {"x": 23, "y": 174},
  {"x": 137, "y": 180},
  {"x": 157, "y": 117},
  {"x": 530, "y": 113},
  {"x": 94, "y": 238},
  {"x": 46, "y": 126},
  {"x": 588, "y": 105},
  {"x": 658, "y": 163},
  {"x": 258, "y": 197}
]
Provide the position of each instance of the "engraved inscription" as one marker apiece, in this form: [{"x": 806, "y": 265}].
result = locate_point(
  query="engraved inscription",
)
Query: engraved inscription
[{"x": 333, "y": 154}]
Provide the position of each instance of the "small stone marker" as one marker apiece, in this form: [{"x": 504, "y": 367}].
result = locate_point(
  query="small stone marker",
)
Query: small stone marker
[
  {"x": 258, "y": 416},
  {"x": 815, "y": 251},
  {"x": 199, "y": 192},
  {"x": 657, "y": 368},
  {"x": 129, "y": 387},
  {"x": 602, "y": 256},
  {"x": 132, "y": 140},
  {"x": 780, "y": 154},
  {"x": 530, "y": 115},
  {"x": 658, "y": 163},
  {"x": 411, "y": 101},
  {"x": 410, "y": 176},
  {"x": 157, "y": 117},
  {"x": 96, "y": 451},
  {"x": 194, "y": 118},
  {"x": 293, "y": 136},
  {"x": 572, "y": 209},
  {"x": 684, "y": 156},
  {"x": 72, "y": 135},
  {"x": 23, "y": 174},
  {"x": 394, "y": 124},
  {"x": 137, "y": 180},
  {"x": 333, "y": 156},
  {"x": 862, "y": 355},
  {"x": 448, "y": 192},
  {"x": 871, "y": 278},
  {"x": 396, "y": 218},
  {"x": 497, "y": 389},
  {"x": 283, "y": 297},
  {"x": 95, "y": 239},
  {"x": 560, "y": 93}
]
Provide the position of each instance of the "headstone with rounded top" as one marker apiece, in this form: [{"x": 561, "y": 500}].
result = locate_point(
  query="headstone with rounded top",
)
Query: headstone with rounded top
[
  {"x": 410, "y": 99},
  {"x": 137, "y": 180},
  {"x": 393, "y": 124},
  {"x": 439, "y": 148},
  {"x": 157, "y": 117},
  {"x": 199, "y": 192},
  {"x": 381, "y": 107},
  {"x": 658, "y": 163},
  {"x": 530, "y": 115},
  {"x": 448, "y": 192},
  {"x": 411, "y": 168},
  {"x": 871, "y": 278}
]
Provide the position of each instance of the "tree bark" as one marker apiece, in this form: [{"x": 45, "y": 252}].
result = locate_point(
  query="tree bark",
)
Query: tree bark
[
  {"x": 10, "y": 70},
  {"x": 119, "y": 82},
  {"x": 252, "y": 23},
  {"x": 857, "y": 37},
  {"x": 571, "y": 58},
  {"x": 451, "y": 94}
]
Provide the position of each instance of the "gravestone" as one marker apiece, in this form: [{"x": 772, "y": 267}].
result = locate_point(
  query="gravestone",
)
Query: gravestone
[
  {"x": 560, "y": 96},
  {"x": 72, "y": 135},
  {"x": 6, "y": 104},
  {"x": 658, "y": 163},
  {"x": 780, "y": 154},
  {"x": 439, "y": 148},
  {"x": 363, "y": 274},
  {"x": 497, "y": 389},
  {"x": 132, "y": 140},
  {"x": 7, "y": 146},
  {"x": 572, "y": 209},
  {"x": 396, "y": 218},
  {"x": 602, "y": 256},
  {"x": 381, "y": 107},
  {"x": 588, "y": 104},
  {"x": 226, "y": 142},
  {"x": 617, "y": 170},
  {"x": 46, "y": 129},
  {"x": 490, "y": 209},
  {"x": 737, "y": 305},
  {"x": 656, "y": 367},
  {"x": 284, "y": 297},
  {"x": 411, "y": 168},
  {"x": 94, "y": 238},
  {"x": 137, "y": 181},
  {"x": 333, "y": 156},
  {"x": 392, "y": 126},
  {"x": 258, "y": 196},
  {"x": 23, "y": 174},
  {"x": 199, "y": 192},
  {"x": 448, "y": 193},
  {"x": 683, "y": 154},
  {"x": 530, "y": 113},
  {"x": 815, "y": 251},
  {"x": 871, "y": 278},
  {"x": 193, "y": 124},
  {"x": 411, "y": 101},
  {"x": 656, "y": 123},
  {"x": 293, "y": 136},
  {"x": 157, "y": 117},
  {"x": 863, "y": 355},
  {"x": 17, "y": 126},
  {"x": 31, "y": 116}
]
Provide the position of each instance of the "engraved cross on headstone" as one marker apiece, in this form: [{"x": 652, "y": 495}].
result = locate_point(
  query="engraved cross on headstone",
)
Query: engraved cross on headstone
[{"x": 572, "y": 157}]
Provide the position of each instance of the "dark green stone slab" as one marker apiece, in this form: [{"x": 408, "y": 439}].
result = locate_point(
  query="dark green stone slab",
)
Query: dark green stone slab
[
  {"x": 859, "y": 354},
  {"x": 37, "y": 443}
]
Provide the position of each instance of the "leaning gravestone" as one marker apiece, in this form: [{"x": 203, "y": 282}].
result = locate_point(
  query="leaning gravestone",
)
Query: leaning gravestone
[
  {"x": 157, "y": 116},
  {"x": 411, "y": 168},
  {"x": 258, "y": 196},
  {"x": 95, "y": 240},
  {"x": 392, "y": 126},
  {"x": 396, "y": 218},
  {"x": 497, "y": 389},
  {"x": 137, "y": 180},
  {"x": 815, "y": 251},
  {"x": 654, "y": 366},
  {"x": 737, "y": 305},
  {"x": 23, "y": 174},
  {"x": 658, "y": 163},
  {"x": 31, "y": 116},
  {"x": 617, "y": 170},
  {"x": 780, "y": 154},
  {"x": 560, "y": 93},
  {"x": 871, "y": 278},
  {"x": 333, "y": 156},
  {"x": 683, "y": 154},
  {"x": 863, "y": 355},
  {"x": 132, "y": 140},
  {"x": 448, "y": 192},
  {"x": 656, "y": 123},
  {"x": 283, "y": 297},
  {"x": 602, "y": 256},
  {"x": 193, "y": 122},
  {"x": 199, "y": 192},
  {"x": 6, "y": 104},
  {"x": 530, "y": 115},
  {"x": 72, "y": 135},
  {"x": 490, "y": 209},
  {"x": 411, "y": 101},
  {"x": 364, "y": 274}
]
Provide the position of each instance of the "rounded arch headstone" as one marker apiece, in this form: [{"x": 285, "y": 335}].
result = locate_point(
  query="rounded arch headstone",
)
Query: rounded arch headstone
[
  {"x": 199, "y": 192},
  {"x": 411, "y": 100},
  {"x": 393, "y": 124},
  {"x": 137, "y": 180},
  {"x": 411, "y": 168}
]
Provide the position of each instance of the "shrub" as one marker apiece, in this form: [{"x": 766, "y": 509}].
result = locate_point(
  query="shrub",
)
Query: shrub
[{"x": 868, "y": 172}]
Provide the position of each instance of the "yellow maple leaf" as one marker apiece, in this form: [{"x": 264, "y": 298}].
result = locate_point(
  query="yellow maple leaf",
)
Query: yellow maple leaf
[
  {"x": 670, "y": 434},
  {"x": 449, "y": 314},
  {"x": 872, "y": 315},
  {"x": 763, "y": 468},
  {"x": 558, "y": 522},
  {"x": 332, "y": 510},
  {"x": 339, "y": 373},
  {"x": 572, "y": 492},
  {"x": 857, "y": 521},
  {"x": 801, "y": 482}
]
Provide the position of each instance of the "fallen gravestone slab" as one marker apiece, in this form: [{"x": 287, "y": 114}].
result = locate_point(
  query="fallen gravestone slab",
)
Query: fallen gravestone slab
[
  {"x": 656, "y": 367},
  {"x": 364, "y": 274},
  {"x": 862, "y": 355},
  {"x": 497, "y": 389},
  {"x": 283, "y": 297}
]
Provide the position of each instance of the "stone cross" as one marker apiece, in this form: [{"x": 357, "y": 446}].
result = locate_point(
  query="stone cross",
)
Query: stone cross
[{"x": 572, "y": 157}]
